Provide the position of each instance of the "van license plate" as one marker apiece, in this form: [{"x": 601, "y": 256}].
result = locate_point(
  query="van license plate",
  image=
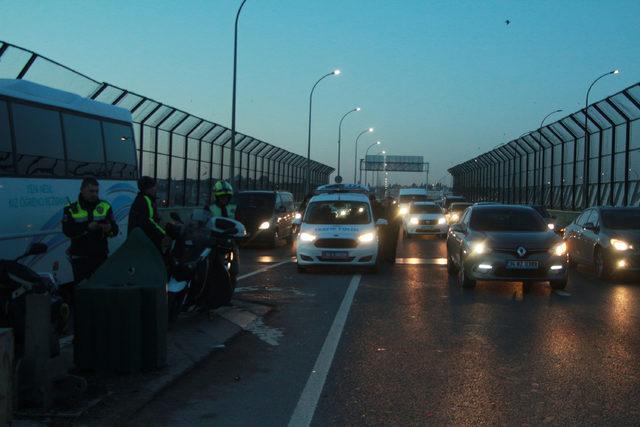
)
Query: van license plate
[
  {"x": 522, "y": 265},
  {"x": 335, "y": 254}
]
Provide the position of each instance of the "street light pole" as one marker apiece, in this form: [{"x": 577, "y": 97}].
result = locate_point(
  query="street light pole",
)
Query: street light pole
[
  {"x": 355, "y": 159},
  {"x": 340, "y": 134},
  {"x": 587, "y": 150},
  {"x": 365, "y": 160},
  {"x": 232, "y": 157},
  {"x": 308, "y": 180}
]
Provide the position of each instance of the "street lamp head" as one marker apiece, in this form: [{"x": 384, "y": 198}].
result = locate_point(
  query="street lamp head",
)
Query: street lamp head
[
  {"x": 370, "y": 129},
  {"x": 384, "y": 152},
  {"x": 616, "y": 71},
  {"x": 377, "y": 142},
  {"x": 336, "y": 72},
  {"x": 358, "y": 108}
]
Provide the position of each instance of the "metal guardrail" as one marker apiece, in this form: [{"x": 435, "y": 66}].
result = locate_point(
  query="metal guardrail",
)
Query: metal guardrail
[
  {"x": 184, "y": 152},
  {"x": 552, "y": 166}
]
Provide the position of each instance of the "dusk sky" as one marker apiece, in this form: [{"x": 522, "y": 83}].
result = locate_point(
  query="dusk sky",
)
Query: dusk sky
[{"x": 443, "y": 79}]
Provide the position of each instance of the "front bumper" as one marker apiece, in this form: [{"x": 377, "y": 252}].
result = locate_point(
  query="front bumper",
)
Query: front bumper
[
  {"x": 426, "y": 229},
  {"x": 624, "y": 261},
  {"x": 500, "y": 272},
  {"x": 363, "y": 255}
]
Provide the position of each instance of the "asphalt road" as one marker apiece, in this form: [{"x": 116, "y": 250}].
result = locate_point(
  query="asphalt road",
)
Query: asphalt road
[{"x": 416, "y": 349}]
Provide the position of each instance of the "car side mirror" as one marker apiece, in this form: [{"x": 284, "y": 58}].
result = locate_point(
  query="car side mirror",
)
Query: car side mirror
[
  {"x": 590, "y": 226},
  {"x": 459, "y": 228},
  {"x": 297, "y": 221},
  {"x": 381, "y": 222}
]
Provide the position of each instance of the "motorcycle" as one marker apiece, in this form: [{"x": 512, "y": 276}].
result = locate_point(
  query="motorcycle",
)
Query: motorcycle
[
  {"x": 16, "y": 282},
  {"x": 203, "y": 262}
]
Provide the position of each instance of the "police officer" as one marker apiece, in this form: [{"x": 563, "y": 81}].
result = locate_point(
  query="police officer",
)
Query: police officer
[
  {"x": 144, "y": 214},
  {"x": 88, "y": 222},
  {"x": 222, "y": 206}
]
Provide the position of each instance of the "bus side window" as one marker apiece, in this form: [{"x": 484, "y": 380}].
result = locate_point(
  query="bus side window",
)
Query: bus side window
[
  {"x": 85, "y": 151},
  {"x": 121, "y": 151},
  {"x": 39, "y": 148},
  {"x": 6, "y": 150}
]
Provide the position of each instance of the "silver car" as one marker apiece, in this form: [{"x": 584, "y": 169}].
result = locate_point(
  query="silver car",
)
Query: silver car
[{"x": 507, "y": 243}]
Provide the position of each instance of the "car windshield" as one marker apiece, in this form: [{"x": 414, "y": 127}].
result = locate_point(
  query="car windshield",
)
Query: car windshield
[
  {"x": 627, "y": 219},
  {"x": 337, "y": 212},
  {"x": 431, "y": 209},
  {"x": 507, "y": 219},
  {"x": 256, "y": 202},
  {"x": 408, "y": 198},
  {"x": 459, "y": 207},
  {"x": 542, "y": 211}
]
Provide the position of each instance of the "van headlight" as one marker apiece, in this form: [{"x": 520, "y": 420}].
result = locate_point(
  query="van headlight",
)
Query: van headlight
[
  {"x": 307, "y": 237},
  {"x": 414, "y": 221},
  {"x": 265, "y": 225},
  {"x": 442, "y": 221},
  {"x": 620, "y": 245},
  {"x": 366, "y": 237},
  {"x": 559, "y": 249}
]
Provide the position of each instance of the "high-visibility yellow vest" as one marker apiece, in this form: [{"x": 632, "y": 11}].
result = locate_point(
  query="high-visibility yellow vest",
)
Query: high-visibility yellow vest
[{"x": 81, "y": 215}]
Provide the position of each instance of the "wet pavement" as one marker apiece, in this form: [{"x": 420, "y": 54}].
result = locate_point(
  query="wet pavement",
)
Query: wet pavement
[{"x": 415, "y": 349}]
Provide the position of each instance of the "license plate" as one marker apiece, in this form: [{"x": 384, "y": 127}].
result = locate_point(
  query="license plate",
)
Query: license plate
[
  {"x": 424, "y": 229},
  {"x": 522, "y": 265},
  {"x": 335, "y": 254}
]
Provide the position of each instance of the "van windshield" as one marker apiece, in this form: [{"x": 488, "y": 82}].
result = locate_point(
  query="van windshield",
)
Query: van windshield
[
  {"x": 408, "y": 198},
  {"x": 260, "y": 203},
  {"x": 337, "y": 212}
]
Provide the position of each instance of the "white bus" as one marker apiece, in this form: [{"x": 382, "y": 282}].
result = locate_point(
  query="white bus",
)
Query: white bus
[{"x": 49, "y": 141}]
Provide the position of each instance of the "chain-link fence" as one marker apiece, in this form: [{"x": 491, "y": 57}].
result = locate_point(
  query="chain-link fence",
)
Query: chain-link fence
[
  {"x": 553, "y": 167},
  {"x": 184, "y": 152}
]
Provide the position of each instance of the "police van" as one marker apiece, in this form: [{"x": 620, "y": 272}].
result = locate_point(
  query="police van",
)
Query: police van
[
  {"x": 49, "y": 141},
  {"x": 338, "y": 229}
]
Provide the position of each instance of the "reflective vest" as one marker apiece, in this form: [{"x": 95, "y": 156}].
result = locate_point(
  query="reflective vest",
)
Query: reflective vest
[
  {"x": 78, "y": 214},
  {"x": 217, "y": 210},
  {"x": 152, "y": 215}
]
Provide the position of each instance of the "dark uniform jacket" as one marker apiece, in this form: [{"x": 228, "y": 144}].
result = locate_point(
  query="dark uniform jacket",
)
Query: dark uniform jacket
[
  {"x": 144, "y": 215},
  {"x": 75, "y": 225}
]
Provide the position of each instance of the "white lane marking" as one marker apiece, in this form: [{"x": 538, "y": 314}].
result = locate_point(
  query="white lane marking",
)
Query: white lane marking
[
  {"x": 306, "y": 407},
  {"x": 263, "y": 269}
]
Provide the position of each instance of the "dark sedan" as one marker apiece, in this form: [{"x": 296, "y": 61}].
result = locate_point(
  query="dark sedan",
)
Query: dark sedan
[
  {"x": 507, "y": 243},
  {"x": 607, "y": 238}
]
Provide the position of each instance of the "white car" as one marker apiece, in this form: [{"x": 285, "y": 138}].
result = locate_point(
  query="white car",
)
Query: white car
[
  {"x": 338, "y": 229},
  {"x": 425, "y": 218},
  {"x": 411, "y": 195}
]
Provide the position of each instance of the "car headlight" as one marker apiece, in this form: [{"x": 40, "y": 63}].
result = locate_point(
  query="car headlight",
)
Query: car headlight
[
  {"x": 414, "y": 221},
  {"x": 404, "y": 210},
  {"x": 367, "y": 237},
  {"x": 551, "y": 226},
  {"x": 454, "y": 218},
  {"x": 479, "y": 248},
  {"x": 265, "y": 225},
  {"x": 298, "y": 215},
  {"x": 559, "y": 249},
  {"x": 620, "y": 245},
  {"x": 307, "y": 237},
  {"x": 442, "y": 221}
]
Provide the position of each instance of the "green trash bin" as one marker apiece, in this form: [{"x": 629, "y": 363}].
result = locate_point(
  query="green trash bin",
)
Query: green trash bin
[{"x": 121, "y": 311}]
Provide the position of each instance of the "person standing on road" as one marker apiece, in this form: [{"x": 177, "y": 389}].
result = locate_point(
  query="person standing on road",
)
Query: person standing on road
[
  {"x": 88, "y": 223},
  {"x": 390, "y": 232},
  {"x": 222, "y": 206},
  {"x": 144, "y": 214}
]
